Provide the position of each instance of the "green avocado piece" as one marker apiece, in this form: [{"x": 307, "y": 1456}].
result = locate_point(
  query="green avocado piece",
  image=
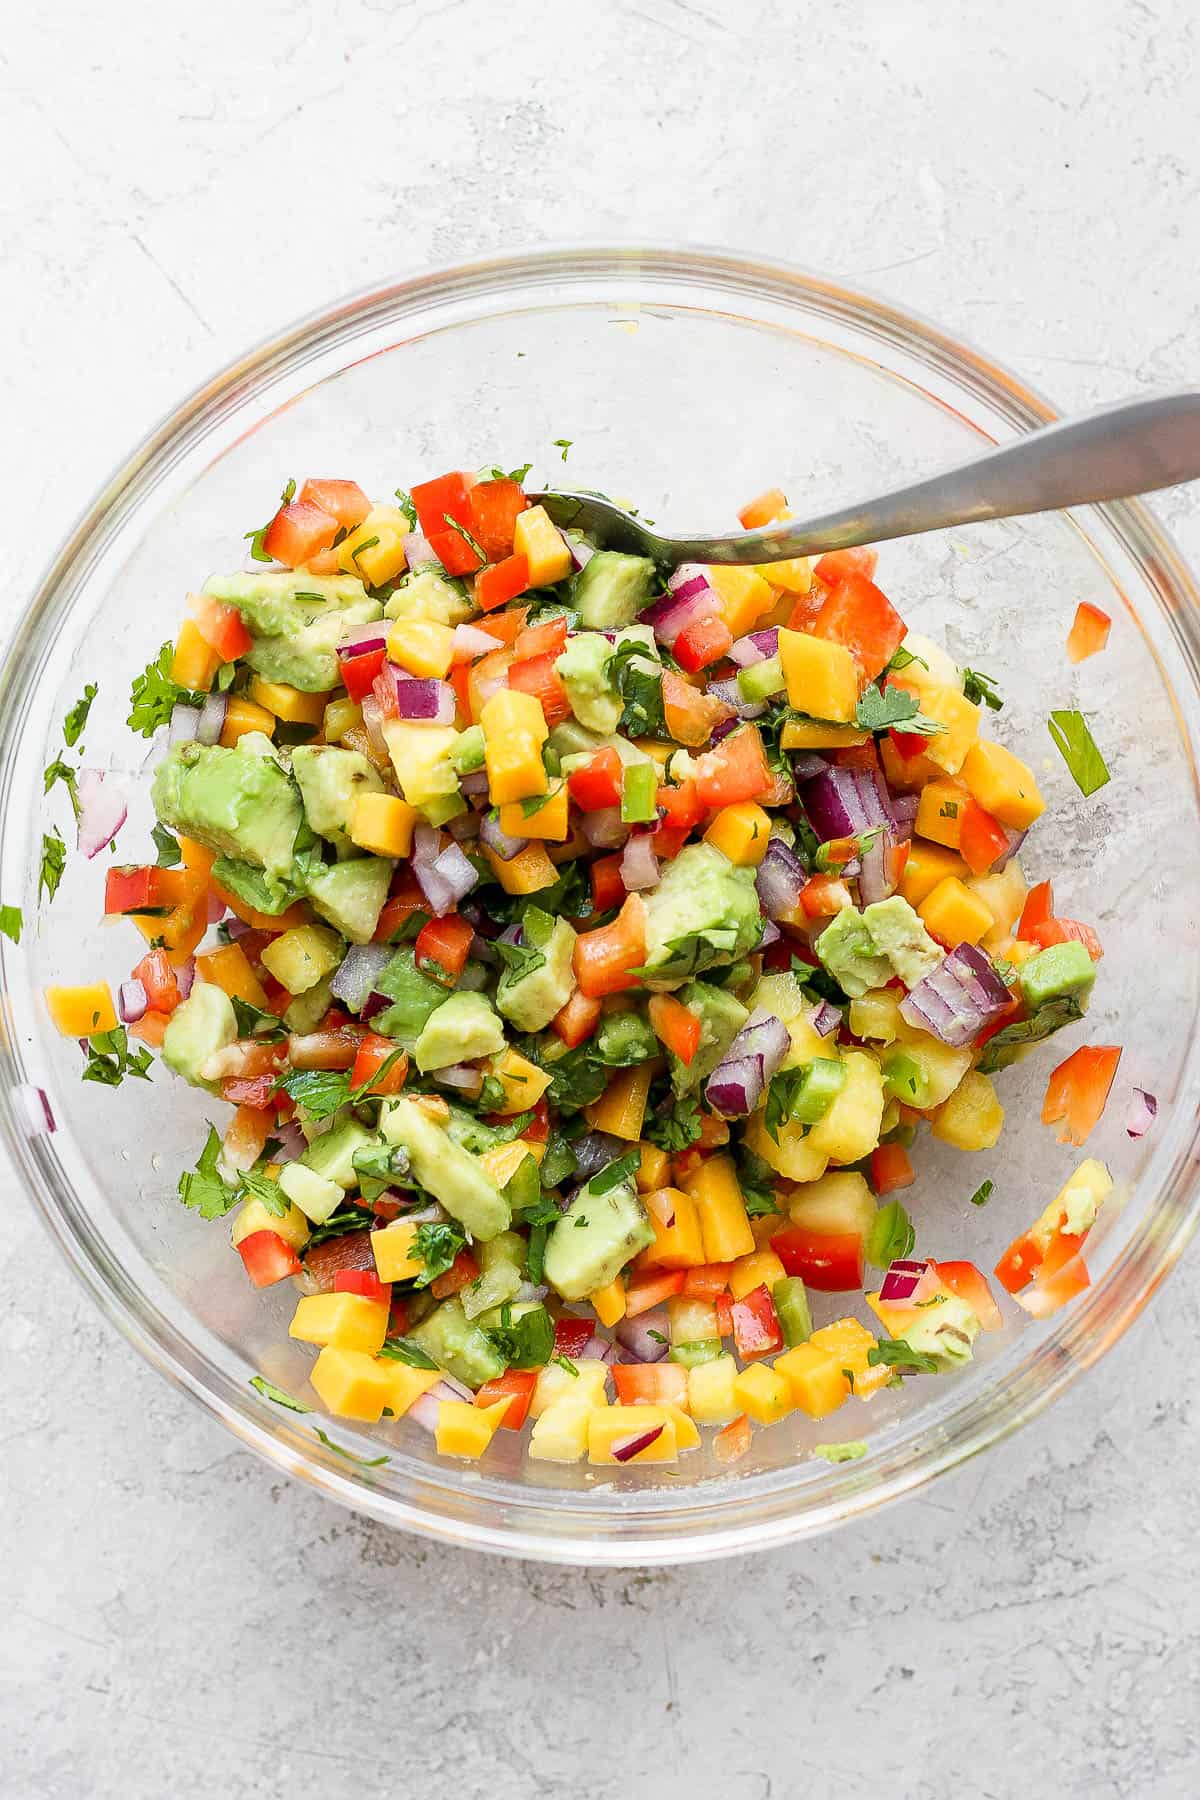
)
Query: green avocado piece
[
  {"x": 463, "y": 1027},
  {"x": 532, "y": 1000},
  {"x": 850, "y": 954},
  {"x": 625, "y": 1038},
  {"x": 445, "y": 1170},
  {"x": 612, "y": 589},
  {"x": 330, "y": 781},
  {"x": 703, "y": 912},
  {"x": 595, "y": 1238},
  {"x": 583, "y": 670},
  {"x": 332, "y": 1154},
  {"x": 1061, "y": 972},
  {"x": 317, "y": 1197},
  {"x": 205, "y": 1022},
  {"x": 243, "y": 806},
  {"x": 502, "y": 1270},
  {"x": 458, "y": 1345},
  {"x": 946, "y": 1331},
  {"x": 308, "y": 1009},
  {"x": 266, "y": 893},
  {"x": 721, "y": 1018},
  {"x": 414, "y": 997},
  {"x": 429, "y": 594},
  {"x": 899, "y": 934},
  {"x": 297, "y": 622},
  {"x": 351, "y": 894}
]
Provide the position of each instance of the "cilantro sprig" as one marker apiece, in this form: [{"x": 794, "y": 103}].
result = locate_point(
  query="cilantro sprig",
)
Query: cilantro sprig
[
  {"x": 882, "y": 708},
  {"x": 154, "y": 696},
  {"x": 1077, "y": 747},
  {"x": 109, "y": 1059},
  {"x": 980, "y": 689}
]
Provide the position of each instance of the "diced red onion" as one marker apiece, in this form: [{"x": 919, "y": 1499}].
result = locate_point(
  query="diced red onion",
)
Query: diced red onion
[
  {"x": 722, "y": 729},
  {"x": 731, "y": 694},
  {"x": 904, "y": 811},
  {"x": 605, "y": 830},
  {"x": 34, "y": 1107},
  {"x": 581, "y": 552},
  {"x": 212, "y": 719},
  {"x": 737, "y": 1084},
  {"x": 185, "y": 722},
  {"x": 481, "y": 951},
  {"x": 103, "y": 809},
  {"x": 595, "y": 1350},
  {"x": 215, "y": 909},
  {"x": 424, "y": 1410},
  {"x": 470, "y": 642},
  {"x": 779, "y": 878},
  {"x": 807, "y": 764},
  {"x": 132, "y": 1001},
  {"x": 372, "y": 714},
  {"x": 433, "y": 1214},
  {"x": 498, "y": 840},
  {"x": 475, "y": 785},
  {"x": 461, "y": 1078},
  {"x": 418, "y": 551},
  {"x": 419, "y": 698},
  {"x": 375, "y": 1003},
  {"x": 449, "y": 1387},
  {"x": 355, "y": 980},
  {"x": 185, "y": 976},
  {"x": 958, "y": 998},
  {"x": 1015, "y": 840},
  {"x": 771, "y": 934},
  {"x": 625, "y": 1449},
  {"x": 647, "y": 1337},
  {"x": 876, "y": 880},
  {"x": 755, "y": 647},
  {"x": 690, "y": 596},
  {"x": 594, "y": 1151},
  {"x": 1142, "y": 1113},
  {"x": 826, "y": 1018},
  {"x": 456, "y": 869},
  {"x": 639, "y": 864},
  {"x": 238, "y": 928},
  {"x": 290, "y": 1142},
  {"x": 902, "y": 1279},
  {"x": 362, "y": 641},
  {"x": 835, "y": 804}
]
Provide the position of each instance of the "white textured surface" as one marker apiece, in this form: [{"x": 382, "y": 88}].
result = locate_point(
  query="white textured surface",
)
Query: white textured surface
[{"x": 178, "y": 180}]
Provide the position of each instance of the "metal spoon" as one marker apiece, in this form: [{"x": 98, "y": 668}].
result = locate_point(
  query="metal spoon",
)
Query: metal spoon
[{"x": 1108, "y": 454}]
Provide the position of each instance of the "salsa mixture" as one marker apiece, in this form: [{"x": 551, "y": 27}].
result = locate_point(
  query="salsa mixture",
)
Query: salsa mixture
[{"x": 581, "y": 947}]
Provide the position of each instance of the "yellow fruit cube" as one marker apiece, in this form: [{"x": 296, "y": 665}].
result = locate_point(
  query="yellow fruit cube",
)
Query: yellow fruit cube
[
  {"x": 588, "y": 1382},
  {"x": 686, "y": 1435},
  {"x": 763, "y": 1393},
  {"x": 406, "y": 1384},
  {"x": 228, "y": 968},
  {"x": 621, "y": 1109},
  {"x": 300, "y": 957},
  {"x": 375, "y": 551},
  {"x": 241, "y": 716},
  {"x": 351, "y": 1384},
  {"x": 538, "y": 540},
  {"x": 850, "y": 1343},
  {"x": 905, "y": 774},
  {"x": 822, "y": 677},
  {"x": 392, "y": 1247},
  {"x": 939, "y": 813},
  {"x": 422, "y": 646},
  {"x": 526, "y": 873},
  {"x": 1003, "y": 785},
  {"x": 724, "y": 1225},
  {"x": 291, "y": 704},
  {"x": 514, "y": 730},
  {"x": 839, "y": 1203},
  {"x": 523, "y": 1082},
  {"x": 972, "y": 1118},
  {"x": 420, "y": 756},
  {"x": 464, "y": 1429},
  {"x": 560, "y": 1434},
  {"x": 383, "y": 824},
  {"x": 711, "y": 1391},
  {"x": 347, "y": 1321},
  {"x": 654, "y": 1171},
  {"x": 547, "y": 820},
  {"x": 815, "y": 1378},
  {"x": 1004, "y": 894},
  {"x": 794, "y": 576},
  {"x": 927, "y": 865},
  {"x": 741, "y": 833},
  {"x": 792, "y": 1156},
  {"x": 877, "y": 1016},
  {"x": 743, "y": 594},
  {"x": 253, "y": 1216},
  {"x": 622, "y": 1425},
  {"x": 894, "y": 1315},
  {"x": 850, "y": 1129},
  {"x": 954, "y": 914},
  {"x": 502, "y": 1161},
  {"x": 608, "y": 1303},
  {"x": 194, "y": 663},
  {"x": 749, "y": 1272},
  {"x": 678, "y": 1245},
  {"x": 961, "y": 720},
  {"x": 82, "y": 1011},
  {"x": 801, "y": 734},
  {"x": 339, "y": 717}
]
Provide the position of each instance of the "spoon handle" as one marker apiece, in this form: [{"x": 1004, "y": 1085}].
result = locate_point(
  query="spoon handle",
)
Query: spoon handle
[{"x": 1116, "y": 451}]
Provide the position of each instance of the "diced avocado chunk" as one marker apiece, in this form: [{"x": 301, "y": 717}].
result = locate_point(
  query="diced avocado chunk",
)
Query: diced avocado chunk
[
  {"x": 330, "y": 781},
  {"x": 612, "y": 589},
  {"x": 899, "y": 934},
  {"x": 414, "y": 996},
  {"x": 429, "y": 594},
  {"x": 625, "y": 1038},
  {"x": 583, "y": 670},
  {"x": 242, "y": 806},
  {"x": 1064, "y": 971},
  {"x": 308, "y": 660},
  {"x": 332, "y": 1154},
  {"x": 297, "y": 622},
  {"x": 451, "y": 1174},
  {"x": 204, "y": 1023},
  {"x": 532, "y": 1000},
  {"x": 501, "y": 1272},
  {"x": 946, "y": 1330},
  {"x": 316, "y": 1196},
  {"x": 721, "y": 1018},
  {"x": 463, "y": 1027},
  {"x": 703, "y": 912},
  {"x": 308, "y": 1009},
  {"x": 351, "y": 894},
  {"x": 458, "y": 1345},
  {"x": 595, "y": 1238},
  {"x": 849, "y": 953},
  {"x": 265, "y": 893}
]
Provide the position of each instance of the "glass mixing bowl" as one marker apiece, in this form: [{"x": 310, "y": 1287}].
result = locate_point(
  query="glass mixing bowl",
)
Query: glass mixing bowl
[{"x": 689, "y": 381}]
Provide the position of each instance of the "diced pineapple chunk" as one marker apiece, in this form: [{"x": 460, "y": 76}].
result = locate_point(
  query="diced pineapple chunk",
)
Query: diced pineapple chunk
[
  {"x": 423, "y": 647},
  {"x": 972, "y": 1118},
  {"x": 850, "y": 1343},
  {"x": 300, "y": 957},
  {"x": 589, "y": 1383},
  {"x": 560, "y": 1433},
  {"x": 794, "y": 1156},
  {"x": 839, "y": 1203},
  {"x": 253, "y": 1216},
  {"x": 850, "y": 1129},
  {"x": 711, "y": 1391}
]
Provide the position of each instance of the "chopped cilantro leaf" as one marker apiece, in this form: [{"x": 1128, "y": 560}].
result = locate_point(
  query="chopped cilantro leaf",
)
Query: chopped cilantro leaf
[
  {"x": 980, "y": 689},
  {"x": 203, "y": 1188},
  {"x": 881, "y": 708},
  {"x": 564, "y": 1362},
  {"x": 1077, "y": 747},
  {"x": 471, "y": 543},
  {"x": 269, "y": 1391},
  {"x": 169, "y": 853},
  {"x": 109, "y": 1060},
  {"x": 407, "y": 506},
  {"x": 901, "y": 659},
  {"x": 365, "y": 1462},
  {"x": 11, "y": 922},
  {"x": 319, "y": 1091},
  {"x": 526, "y": 1343},
  {"x": 563, "y": 444},
  {"x": 617, "y": 1172},
  {"x": 895, "y": 1353},
  {"x": 402, "y": 1349},
  {"x": 677, "y": 1128},
  {"x": 154, "y": 696},
  {"x": 983, "y": 1193},
  {"x": 437, "y": 1245},
  {"x": 1002, "y": 1049},
  {"x": 77, "y": 718}
]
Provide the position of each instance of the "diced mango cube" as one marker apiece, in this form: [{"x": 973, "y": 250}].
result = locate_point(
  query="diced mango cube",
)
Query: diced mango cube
[
  {"x": 464, "y": 1429},
  {"x": 741, "y": 833},
  {"x": 822, "y": 677},
  {"x": 972, "y": 1118},
  {"x": 228, "y": 967},
  {"x": 375, "y": 550},
  {"x": 300, "y": 957},
  {"x": 523, "y": 1082},
  {"x": 538, "y": 540},
  {"x": 351, "y": 1384},
  {"x": 608, "y": 1303},
  {"x": 850, "y": 1343},
  {"x": 383, "y": 824},
  {"x": 678, "y": 1245},
  {"x": 763, "y": 1393},
  {"x": 588, "y": 1382},
  {"x": 749, "y": 1272},
  {"x": 954, "y": 914},
  {"x": 514, "y": 730},
  {"x": 654, "y": 1170},
  {"x": 961, "y": 720},
  {"x": 687, "y": 1437},
  {"x": 526, "y": 872},
  {"x": 392, "y": 1248},
  {"x": 347, "y": 1321},
  {"x": 939, "y": 813},
  {"x": 711, "y": 1391},
  {"x": 560, "y": 1433},
  {"x": 422, "y": 646},
  {"x": 724, "y": 1225},
  {"x": 406, "y": 1384},
  {"x": 549, "y": 820},
  {"x": 1003, "y": 785},
  {"x": 621, "y": 1109},
  {"x": 241, "y": 716},
  {"x": 815, "y": 1378},
  {"x": 806, "y": 734},
  {"x": 927, "y": 865},
  {"x": 905, "y": 774},
  {"x": 291, "y": 704},
  {"x": 194, "y": 663},
  {"x": 82, "y": 1011},
  {"x": 253, "y": 1216},
  {"x": 616, "y": 1426},
  {"x": 743, "y": 594}
]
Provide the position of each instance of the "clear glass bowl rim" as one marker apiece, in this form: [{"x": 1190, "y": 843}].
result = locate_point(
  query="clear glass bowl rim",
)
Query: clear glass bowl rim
[{"x": 716, "y": 1518}]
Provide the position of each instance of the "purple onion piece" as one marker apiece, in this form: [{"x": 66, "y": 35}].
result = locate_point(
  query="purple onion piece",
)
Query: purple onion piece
[
  {"x": 462, "y": 1078},
  {"x": 185, "y": 976},
  {"x": 132, "y": 1001},
  {"x": 594, "y": 1151},
  {"x": 807, "y": 764},
  {"x": 475, "y": 784},
  {"x": 731, "y": 694},
  {"x": 579, "y": 550},
  {"x": 779, "y": 878},
  {"x": 212, "y": 719},
  {"x": 958, "y": 998},
  {"x": 904, "y": 811},
  {"x": 605, "y": 830},
  {"x": 290, "y": 1142},
  {"x": 355, "y": 980},
  {"x": 376, "y": 1003},
  {"x": 645, "y": 1339},
  {"x": 639, "y": 864},
  {"x": 103, "y": 809},
  {"x": 361, "y": 642},
  {"x": 722, "y": 729},
  {"x": 835, "y": 807},
  {"x": 1015, "y": 840},
  {"x": 185, "y": 722},
  {"x": 902, "y": 1279},
  {"x": 34, "y": 1107},
  {"x": 1142, "y": 1113},
  {"x": 875, "y": 873},
  {"x": 625, "y": 1449},
  {"x": 771, "y": 934},
  {"x": 470, "y": 642},
  {"x": 736, "y": 1085},
  {"x": 498, "y": 840},
  {"x": 826, "y": 1018},
  {"x": 418, "y": 551}
]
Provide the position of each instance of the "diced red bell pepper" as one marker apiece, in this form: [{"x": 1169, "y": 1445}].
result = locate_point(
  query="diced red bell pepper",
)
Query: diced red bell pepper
[
  {"x": 159, "y": 980},
  {"x": 456, "y": 555},
  {"x": 860, "y": 616},
  {"x": 501, "y": 582},
  {"x": 297, "y": 532},
  {"x": 675, "y": 1025},
  {"x": 362, "y": 1281},
  {"x": 836, "y": 565},
  {"x": 1066, "y": 931},
  {"x": 650, "y": 1384},
  {"x": 248, "y": 1090},
  {"x": 1078, "y": 1090},
  {"x": 763, "y": 509},
  {"x": 461, "y": 1273},
  {"x": 359, "y": 673},
  {"x": 735, "y": 770},
  {"x": 830, "y": 1261},
  {"x": 733, "y": 1441},
  {"x": 539, "y": 678},
  {"x": 756, "y": 1328},
  {"x": 981, "y": 837},
  {"x": 705, "y": 641},
  {"x": 596, "y": 785},
  {"x": 608, "y": 886},
  {"x": 707, "y": 1280},
  {"x": 970, "y": 1284},
  {"x": 343, "y": 500},
  {"x": 221, "y": 627},
  {"x": 572, "y": 1336},
  {"x": 373, "y": 1052},
  {"x": 538, "y": 1129},
  {"x": 130, "y": 890},
  {"x": 668, "y": 841},
  {"x": 577, "y": 1020},
  {"x": 605, "y": 956},
  {"x": 1089, "y": 633},
  {"x": 541, "y": 640},
  {"x": 516, "y": 1386},
  {"x": 908, "y": 744},
  {"x": 652, "y": 1289},
  {"x": 445, "y": 494},
  {"x": 824, "y": 895},
  {"x": 723, "y": 1307},
  {"x": 268, "y": 1258},
  {"x": 1038, "y": 909},
  {"x": 406, "y": 900},
  {"x": 1062, "y": 1275},
  {"x": 891, "y": 1168},
  {"x": 495, "y": 507},
  {"x": 442, "y": 946},
  {"x": 680, "y": 806}
]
